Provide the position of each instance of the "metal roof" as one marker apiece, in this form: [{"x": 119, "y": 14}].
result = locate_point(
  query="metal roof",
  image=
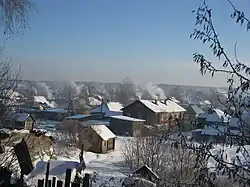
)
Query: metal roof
[
  {"x": 197, "y": 109},
  {"x": 78, "y": 116},
  {"x": 56, "y": 110}
]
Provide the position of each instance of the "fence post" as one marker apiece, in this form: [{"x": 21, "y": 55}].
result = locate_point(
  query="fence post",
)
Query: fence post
[
  {"x": 49, "y": 183},
  {"x": 75, "y": 184},
  {"x": 67, "y": 178},
  {"x": 86, "y": 180},
  {"x": 40, "y": 183},
  {"x": 54, "y": 182},
  {"x": 59, "y": 184},
  {"x": 47, "y": 174}
]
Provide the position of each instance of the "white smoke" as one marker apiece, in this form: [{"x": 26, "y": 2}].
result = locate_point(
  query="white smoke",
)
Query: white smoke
[
  {"x": 42, "y": 89},
  {"x": 72, "y": 88},
  {"x": 154, "y": 91},
  {"x": 34, "y": 91}
]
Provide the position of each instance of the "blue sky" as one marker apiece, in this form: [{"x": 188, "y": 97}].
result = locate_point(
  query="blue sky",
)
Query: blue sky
[{"x": 107, "y": 40}]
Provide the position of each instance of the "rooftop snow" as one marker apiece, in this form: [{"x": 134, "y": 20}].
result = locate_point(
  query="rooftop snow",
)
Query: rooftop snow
[
  {"x": 94, "y": 102},
  {"x": 121, "y": 117},
  {"x": 217, "y": 116},
  {"x": 103, "y": 132},
  {"x": 174, "y": 100},
  {"x": 42, "y": 99},
  {"x": 170, "y": 106},
  {"x": 114, "y": 106},
  {"x": 214, "y": 130}
]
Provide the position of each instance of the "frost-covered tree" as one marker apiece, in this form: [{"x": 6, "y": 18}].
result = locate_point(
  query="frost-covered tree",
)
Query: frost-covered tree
[{"x": 236, "y": 104}]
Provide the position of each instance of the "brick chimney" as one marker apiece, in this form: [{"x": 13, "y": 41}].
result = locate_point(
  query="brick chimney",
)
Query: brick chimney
[{"x": 154, "y": 101}]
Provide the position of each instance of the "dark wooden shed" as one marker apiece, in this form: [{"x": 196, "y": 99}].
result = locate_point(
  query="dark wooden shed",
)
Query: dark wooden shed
[{"x": 124, "y": 125}]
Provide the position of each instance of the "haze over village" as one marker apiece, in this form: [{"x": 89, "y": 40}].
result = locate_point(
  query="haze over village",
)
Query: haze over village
[{"x": 124, "y": 94}]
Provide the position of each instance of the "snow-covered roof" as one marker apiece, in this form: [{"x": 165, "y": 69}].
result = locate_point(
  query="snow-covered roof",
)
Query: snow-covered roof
[
  {"x": 214, "y": 130},
  {"x": 174, "y": 100},
  {"x": 121, "y": 117},
  {"x": 42, "y": 99},
  {"x": 207, "y": 102},
  {"x": 114, "y": 106},
  {"x": 217, "y": 115},
  {"x": 170, "y": 106},
  {"x": 94, "y": 102},
  {"x": 103, "y": 132}
]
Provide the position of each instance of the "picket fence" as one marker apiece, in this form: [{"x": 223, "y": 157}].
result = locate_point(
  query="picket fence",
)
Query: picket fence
[{"x": 59, "y": 183}]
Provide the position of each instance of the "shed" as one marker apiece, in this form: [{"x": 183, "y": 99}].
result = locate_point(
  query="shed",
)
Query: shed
[
  {"x": 19, "y": 121},
  {"x": 100, "y": 137},
  {"x": 146, "y": 173},
  {"x": 124, "y": 125}
]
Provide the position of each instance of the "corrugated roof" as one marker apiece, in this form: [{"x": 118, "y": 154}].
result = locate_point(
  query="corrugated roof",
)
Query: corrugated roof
[
  {"x": 56, "y": 110},
  {"x": 103, "y": 132},
  {"x": 77, "y": 116},
  {"x": 20, "y": 117},
  {"x": 121, "y": 117},
  {"x": 197, "y": 109}
]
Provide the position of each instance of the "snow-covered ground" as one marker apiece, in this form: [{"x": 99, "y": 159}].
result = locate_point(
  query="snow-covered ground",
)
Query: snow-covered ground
[
  {"x": 106, "y": 166},
  {"x": 110, "y": 165}
]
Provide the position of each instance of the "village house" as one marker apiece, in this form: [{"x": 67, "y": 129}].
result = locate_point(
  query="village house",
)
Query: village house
[
  {"x": 54, "y": 114},
  {"x": 191, "y": 115},
  {"x": 108, "y": 109},
  {"x": 124, "y": 125},
  {"x": 100, "y": 138},
  {"x": 163, "y": 112},
  {"x": 19, "y": 121},
  {"x": 212, "y": 125}
]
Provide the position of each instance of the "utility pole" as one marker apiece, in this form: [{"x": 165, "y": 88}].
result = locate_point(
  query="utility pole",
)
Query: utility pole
[{"x": 69, "y": 101}]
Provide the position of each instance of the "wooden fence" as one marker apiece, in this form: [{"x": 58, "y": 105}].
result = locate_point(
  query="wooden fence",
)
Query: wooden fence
[{"x": 66, "y": 183}]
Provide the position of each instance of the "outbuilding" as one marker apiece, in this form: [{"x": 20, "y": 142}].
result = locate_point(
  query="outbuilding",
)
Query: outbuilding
[
  {"x": 100, "y": 138},
  {"x": 124, "y": 125}
]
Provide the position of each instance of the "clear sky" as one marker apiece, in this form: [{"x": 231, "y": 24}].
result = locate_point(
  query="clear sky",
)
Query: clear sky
[{"x": 107, "y": 40}]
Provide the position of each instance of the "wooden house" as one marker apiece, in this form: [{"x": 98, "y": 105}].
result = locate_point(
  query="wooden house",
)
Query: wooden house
[
  {"x": 100, "y": 138},
  {"x": 124, "y": 125},
  {"x": 191, "y": 115},
  {"x": 54, "y": 114},
  {"x": 19, "y": 121},
  {"x": 155, "y": 112}
]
